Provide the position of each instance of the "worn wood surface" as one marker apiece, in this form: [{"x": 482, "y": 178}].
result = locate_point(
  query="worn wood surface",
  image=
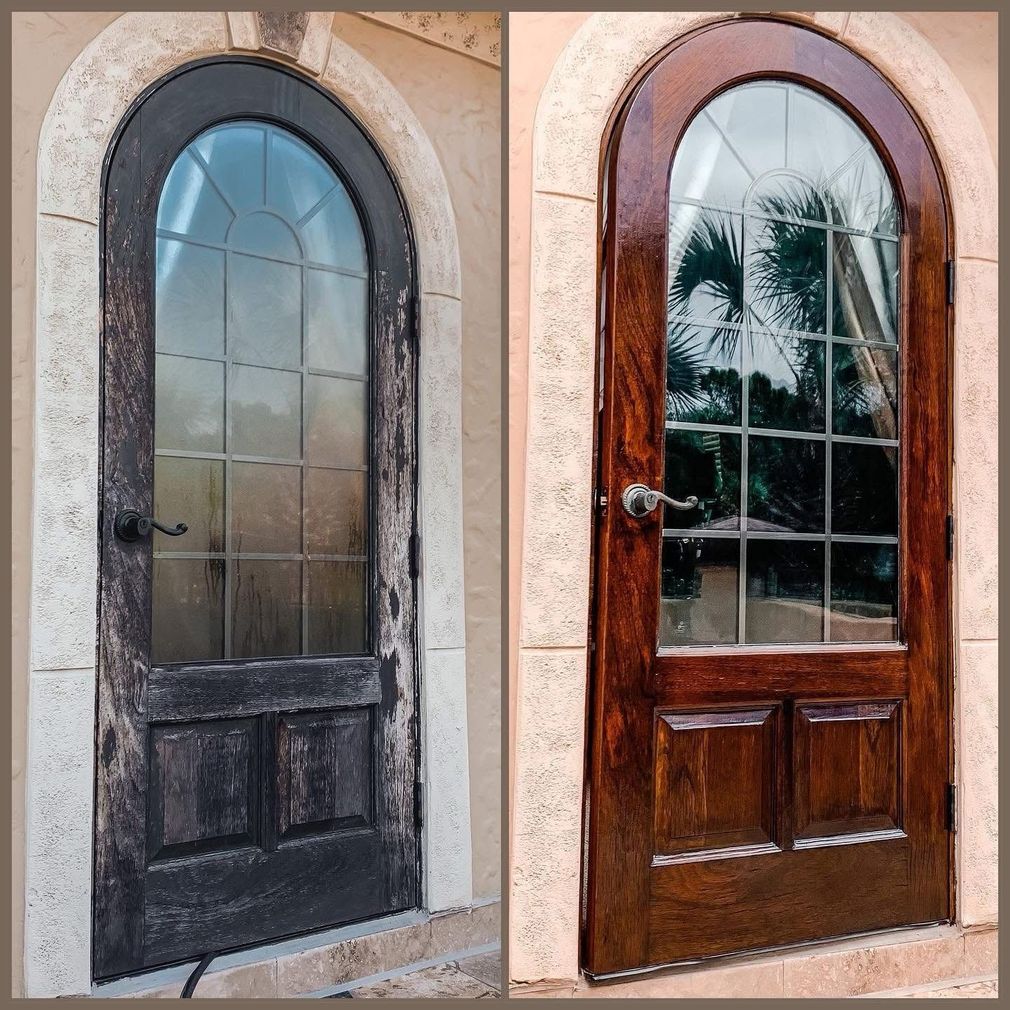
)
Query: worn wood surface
[
  {"x": 213, "y": 903},
  {"x": 712, "y": 893},
  {"x": 238, "y": 802},
  {"x": 252, "y": 687}
]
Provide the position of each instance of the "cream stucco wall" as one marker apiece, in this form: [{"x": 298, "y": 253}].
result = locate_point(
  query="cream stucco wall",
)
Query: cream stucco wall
[
  {"x": 941, "y": 59},
  {"x": 456, "y": 99}
]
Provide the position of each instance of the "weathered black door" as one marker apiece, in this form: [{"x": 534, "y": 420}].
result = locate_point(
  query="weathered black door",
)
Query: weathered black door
[{"x": 256, "y": 747}]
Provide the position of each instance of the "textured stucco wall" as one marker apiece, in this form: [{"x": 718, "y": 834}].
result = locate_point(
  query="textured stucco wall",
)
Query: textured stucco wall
[
  {"x": 566, "y": 73},
  {"x": 457, "y": 102},
  {"x": 45, "y": 44}
]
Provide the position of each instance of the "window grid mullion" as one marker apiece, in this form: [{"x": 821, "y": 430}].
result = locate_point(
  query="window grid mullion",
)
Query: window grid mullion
[
  {"x": 745, "y": 366},
  {"x": 304, "y": 473},
  {"x": 229, "y": 575},
  {"x": 829, "y": 294}
]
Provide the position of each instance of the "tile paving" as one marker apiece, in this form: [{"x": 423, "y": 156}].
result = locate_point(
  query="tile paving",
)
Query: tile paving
[
  {"x": 974, "y": 990},
  {"x": 476, "y": 977}
]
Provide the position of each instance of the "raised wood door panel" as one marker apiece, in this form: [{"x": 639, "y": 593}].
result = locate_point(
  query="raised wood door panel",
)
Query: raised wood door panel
[
  {"x": 769, "y": 749},
  {"x": 257, "y": 718}
]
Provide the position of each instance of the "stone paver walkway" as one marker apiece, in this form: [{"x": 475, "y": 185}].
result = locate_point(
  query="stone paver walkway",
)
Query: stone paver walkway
[
  {"x": 477, "y": 977},
  {"x": 975, "y": 990},
  {"x": 951, "y": 989}
]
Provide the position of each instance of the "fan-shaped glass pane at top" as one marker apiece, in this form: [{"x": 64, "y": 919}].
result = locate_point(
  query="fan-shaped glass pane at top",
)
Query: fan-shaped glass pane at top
[
  {"x": 779, "y": 148},
  {"x": 256, "y": 187}
]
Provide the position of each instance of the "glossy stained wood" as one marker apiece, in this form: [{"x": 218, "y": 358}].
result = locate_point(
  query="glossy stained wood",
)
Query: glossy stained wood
[
  {"x": 720, "y": 766},
  {"x": 862, "y": 754},
  {"x": 242, "y": 801}
]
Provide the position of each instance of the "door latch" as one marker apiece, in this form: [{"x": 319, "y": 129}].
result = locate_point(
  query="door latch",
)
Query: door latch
[
  {"x": 639, "y": 500},
  {"x": 129, "y": 525}
]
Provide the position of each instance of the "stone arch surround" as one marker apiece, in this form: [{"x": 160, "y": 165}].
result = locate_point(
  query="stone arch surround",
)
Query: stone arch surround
[
  {"x": 584, "y": 87},
  {"x": 134, "y": 51}
]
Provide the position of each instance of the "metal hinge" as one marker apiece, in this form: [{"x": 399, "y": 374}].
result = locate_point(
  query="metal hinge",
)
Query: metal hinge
[
  {"x": 950, "y": 538},
  {"x": 418, "y": 800},
  {"x": 951, "y": 806},
  {"x": 950, "y": 282},
  {"x": 414, "y": 549}
]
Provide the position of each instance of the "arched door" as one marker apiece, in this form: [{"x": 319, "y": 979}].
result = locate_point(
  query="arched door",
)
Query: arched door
[
  {"x": 770, "y": 749},
  {"x": 257, "y": 715}
]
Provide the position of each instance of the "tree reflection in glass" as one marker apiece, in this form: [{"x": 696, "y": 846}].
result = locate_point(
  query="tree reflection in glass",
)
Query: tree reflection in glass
[{"x": 782, "y": 330}]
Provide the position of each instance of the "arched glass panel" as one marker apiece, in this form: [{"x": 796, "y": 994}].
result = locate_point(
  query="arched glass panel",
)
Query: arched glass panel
[
  {"x": 782, "y": 377},
  {"x": 261, "y": 403}
]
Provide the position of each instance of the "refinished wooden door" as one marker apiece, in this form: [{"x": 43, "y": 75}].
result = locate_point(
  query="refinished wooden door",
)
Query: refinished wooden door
[
  {"x": 770, "y": 749},
  {"x": 257, "y": 722}
]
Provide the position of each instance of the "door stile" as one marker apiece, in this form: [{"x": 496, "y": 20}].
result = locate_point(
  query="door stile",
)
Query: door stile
[
  {"x": 622, "y": 744},
  {"x": 124, "y": 640}
]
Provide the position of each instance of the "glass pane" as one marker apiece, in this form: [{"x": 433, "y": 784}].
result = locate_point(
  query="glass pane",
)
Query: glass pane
[
  {"x": 335, "y": 428},
  {"x": 337, "y": 607},
  {"x": 333, "y": 235},
  {"x": 786, "y": 266},
  {"x": 702, "y": 374},
  {"x": 297, "y": 178},
  {"x": 264, "y": 312},
  {"x": 336, "y": 511},
  {"x": 188, "y": 610},
  {"x": 336, "y": 322},
  {"x": 189, "y": 302},
  {"x": 234, "y": 154},
  {"x": 266, "y": 609},
  {"x": 822, "y": 138},
  {"x": 189, "y": 404},
  {"x": 782, "y": 194},
  {"x": 861, "y": 196},
  {"x": 706, "y": 168},
  {"x": 864, "y": 496},
  {"x": 864, "y": 593},
  {"x": 698, "y": 592},
  {"x": 265, "y": 234},
  {"x": 865, "y": 288},
  {"x": 190, "y": 205},
  {"x": 190, "y": 491},
  {"x": 785, "y": 591},
  {"x": 266, "y": 509},
  {"x": 705, "y": 274},
  {"x": 786, "y": 485},
  {"x": 865, "y": 391},
  {"x": 786, "y": 383},
  {"x": 752, "y": 119},
  {"x": 266, "y": 412},
  {"x": 707, "y": 466}
]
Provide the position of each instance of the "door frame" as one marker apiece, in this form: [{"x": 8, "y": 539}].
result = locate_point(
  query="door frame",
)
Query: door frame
[
  {"x": 132, "y": 53},
  {"x": 601, "y": 744},
  {"x": 591, "y": 75}
]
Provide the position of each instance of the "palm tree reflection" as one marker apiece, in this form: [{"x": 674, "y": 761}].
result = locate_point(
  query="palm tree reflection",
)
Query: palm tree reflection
[{"x": 736, "y": 299}]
